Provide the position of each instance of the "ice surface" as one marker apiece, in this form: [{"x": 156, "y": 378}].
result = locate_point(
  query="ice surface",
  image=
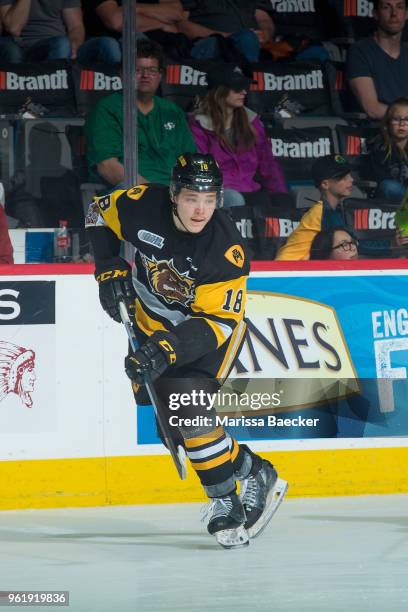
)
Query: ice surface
[{"x": 323, "y": 554}]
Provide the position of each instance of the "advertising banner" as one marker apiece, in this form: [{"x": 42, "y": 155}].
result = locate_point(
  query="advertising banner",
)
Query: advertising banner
[
  {"x": 63, "y": 391},
  {"x": 333, "y": 346},
  {"x": 27, "y": 356},
  {"x": 48, "y": 84},
  {"x": 324, "y": 362}
]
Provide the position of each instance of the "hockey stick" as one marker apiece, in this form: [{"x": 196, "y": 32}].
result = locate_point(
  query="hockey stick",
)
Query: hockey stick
[{"x": 177, "y": 453}]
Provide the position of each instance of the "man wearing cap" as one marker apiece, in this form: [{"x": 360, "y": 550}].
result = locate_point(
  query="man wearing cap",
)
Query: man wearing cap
[{"x": 332, "y": 176}]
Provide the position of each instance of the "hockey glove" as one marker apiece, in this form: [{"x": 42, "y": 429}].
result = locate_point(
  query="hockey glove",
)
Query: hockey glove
[
  {"x": 115, "y": 285},
  {"x": 153, "y": 357}
]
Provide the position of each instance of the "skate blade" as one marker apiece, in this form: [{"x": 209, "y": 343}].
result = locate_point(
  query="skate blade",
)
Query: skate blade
[
  {"x": 232, "y": 538},
  {"x": 273, "y": 501}
]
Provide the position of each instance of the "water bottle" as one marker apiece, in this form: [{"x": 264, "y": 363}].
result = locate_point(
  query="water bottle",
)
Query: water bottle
[{"x": 62, "y": 245}]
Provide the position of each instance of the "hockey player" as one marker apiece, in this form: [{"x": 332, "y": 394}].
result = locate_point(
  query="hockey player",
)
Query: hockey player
[{"x": 187, "y": 299}]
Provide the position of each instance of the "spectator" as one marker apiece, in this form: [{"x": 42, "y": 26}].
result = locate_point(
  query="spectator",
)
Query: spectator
[
  {"x": 9, "y": 53},
  {"x": 41, "y": 30},
  {"x": 102, "y": 44},
  {"x": 387, "y": 159},
  {"x": 163, "y": 133},
  {"x": 105, "y": 18},
  {"x": 155, "y": 15},
  {"x": 235, "y": 136},
  {"x": 241, "y": 22},
  {"x": 332, "y": 175},
  {"x": 6, "y": 249},
  {"x": 335, "y": 243},
  {"x": 378, "y": 66}
]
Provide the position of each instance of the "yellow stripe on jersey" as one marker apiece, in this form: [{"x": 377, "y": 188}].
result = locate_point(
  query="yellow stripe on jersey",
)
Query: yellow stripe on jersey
[
  {"x": 109, "y": 211},
  {"x": 222, "y": 299},
  {"x": 212, "y": 463},
  {"x": 145, "y": 323},
  {"x": 233, "y": 348},
  {"x": 211, "y": 436},
  {"x": 225, "y": 300}
]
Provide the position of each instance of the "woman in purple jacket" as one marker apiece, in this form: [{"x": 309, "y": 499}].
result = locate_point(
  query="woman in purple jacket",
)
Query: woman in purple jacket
[{"x": 235, "y": 136}]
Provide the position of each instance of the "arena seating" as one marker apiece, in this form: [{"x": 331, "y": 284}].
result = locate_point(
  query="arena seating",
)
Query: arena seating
[
  {"x": 355, "y": 17},
  {"x": 373, "y": 223},
  {"x": 49, "y": 85},
  {"x": 48, "y": 179},
  {"x": 342, "y": 100},
  {"x": 302, "y": 83},
  {"x": 353, "y": 141},
  {"x": 7, "y": 156},
  {"x": 53, "y": 99},
  {"x": 293, "y": 18},
  {"x": 297, "y": 149},
  {"x": 183, "y": 82},
  {"x": 265, "y": 228},
  {"x": 93, "y": 82}
]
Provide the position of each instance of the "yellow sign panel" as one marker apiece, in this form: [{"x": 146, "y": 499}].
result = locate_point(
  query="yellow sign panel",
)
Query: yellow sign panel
[{"x": 295, "y": 347}]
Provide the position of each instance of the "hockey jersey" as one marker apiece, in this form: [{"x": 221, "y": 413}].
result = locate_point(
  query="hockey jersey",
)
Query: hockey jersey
[{"x": 193, "y": 285}]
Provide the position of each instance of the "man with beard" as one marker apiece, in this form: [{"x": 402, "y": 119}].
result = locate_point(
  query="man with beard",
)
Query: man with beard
[{"x": 378, "y": 66}]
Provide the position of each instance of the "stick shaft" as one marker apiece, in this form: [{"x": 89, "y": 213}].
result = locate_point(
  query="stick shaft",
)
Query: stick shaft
[{"x": 153, "y": 396}]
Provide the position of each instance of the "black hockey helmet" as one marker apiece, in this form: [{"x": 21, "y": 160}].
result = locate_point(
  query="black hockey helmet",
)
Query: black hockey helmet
[{"x": 198, "y": 172}]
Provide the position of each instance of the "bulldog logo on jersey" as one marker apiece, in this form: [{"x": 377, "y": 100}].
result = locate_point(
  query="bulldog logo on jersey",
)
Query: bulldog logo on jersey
[{"x": 166, "y": 281}]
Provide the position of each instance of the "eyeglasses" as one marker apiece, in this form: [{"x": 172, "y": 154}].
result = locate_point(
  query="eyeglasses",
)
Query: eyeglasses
[
  {"x": 150, "y": 70},
  {"x": 399, "y": 120},
  {"x": 346, "y": 245}
]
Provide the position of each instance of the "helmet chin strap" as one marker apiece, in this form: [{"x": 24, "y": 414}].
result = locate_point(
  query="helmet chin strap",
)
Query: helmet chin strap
[{"x": 175, "y": 213}]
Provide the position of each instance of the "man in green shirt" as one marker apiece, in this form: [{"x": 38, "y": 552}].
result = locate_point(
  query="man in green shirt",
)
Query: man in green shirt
[{"x": 163, "y": 132}]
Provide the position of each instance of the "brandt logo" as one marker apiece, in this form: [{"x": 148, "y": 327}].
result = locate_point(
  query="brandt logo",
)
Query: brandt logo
[
  {"x": 10, "y": 81},
  {"x": 373, "y": 219},
  {"x": 358, "y": 8},
  {"x": 293, "y": 6},
  {"x": 307, "y": 150},
  {"x": 180, "y": 74},
  {"x": 308, "y": 81},
  {"x": 17, "y": 374},
  {"x": 98, "y": 81},
  {"x": 356, "y": 145},
  {"x": 279, "y": 228}
]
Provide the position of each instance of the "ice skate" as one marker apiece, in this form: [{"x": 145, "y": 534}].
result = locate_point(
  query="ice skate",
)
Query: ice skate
[
  {"x": 261, "y": 494},
  {"x": 226, "y": 521}
]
